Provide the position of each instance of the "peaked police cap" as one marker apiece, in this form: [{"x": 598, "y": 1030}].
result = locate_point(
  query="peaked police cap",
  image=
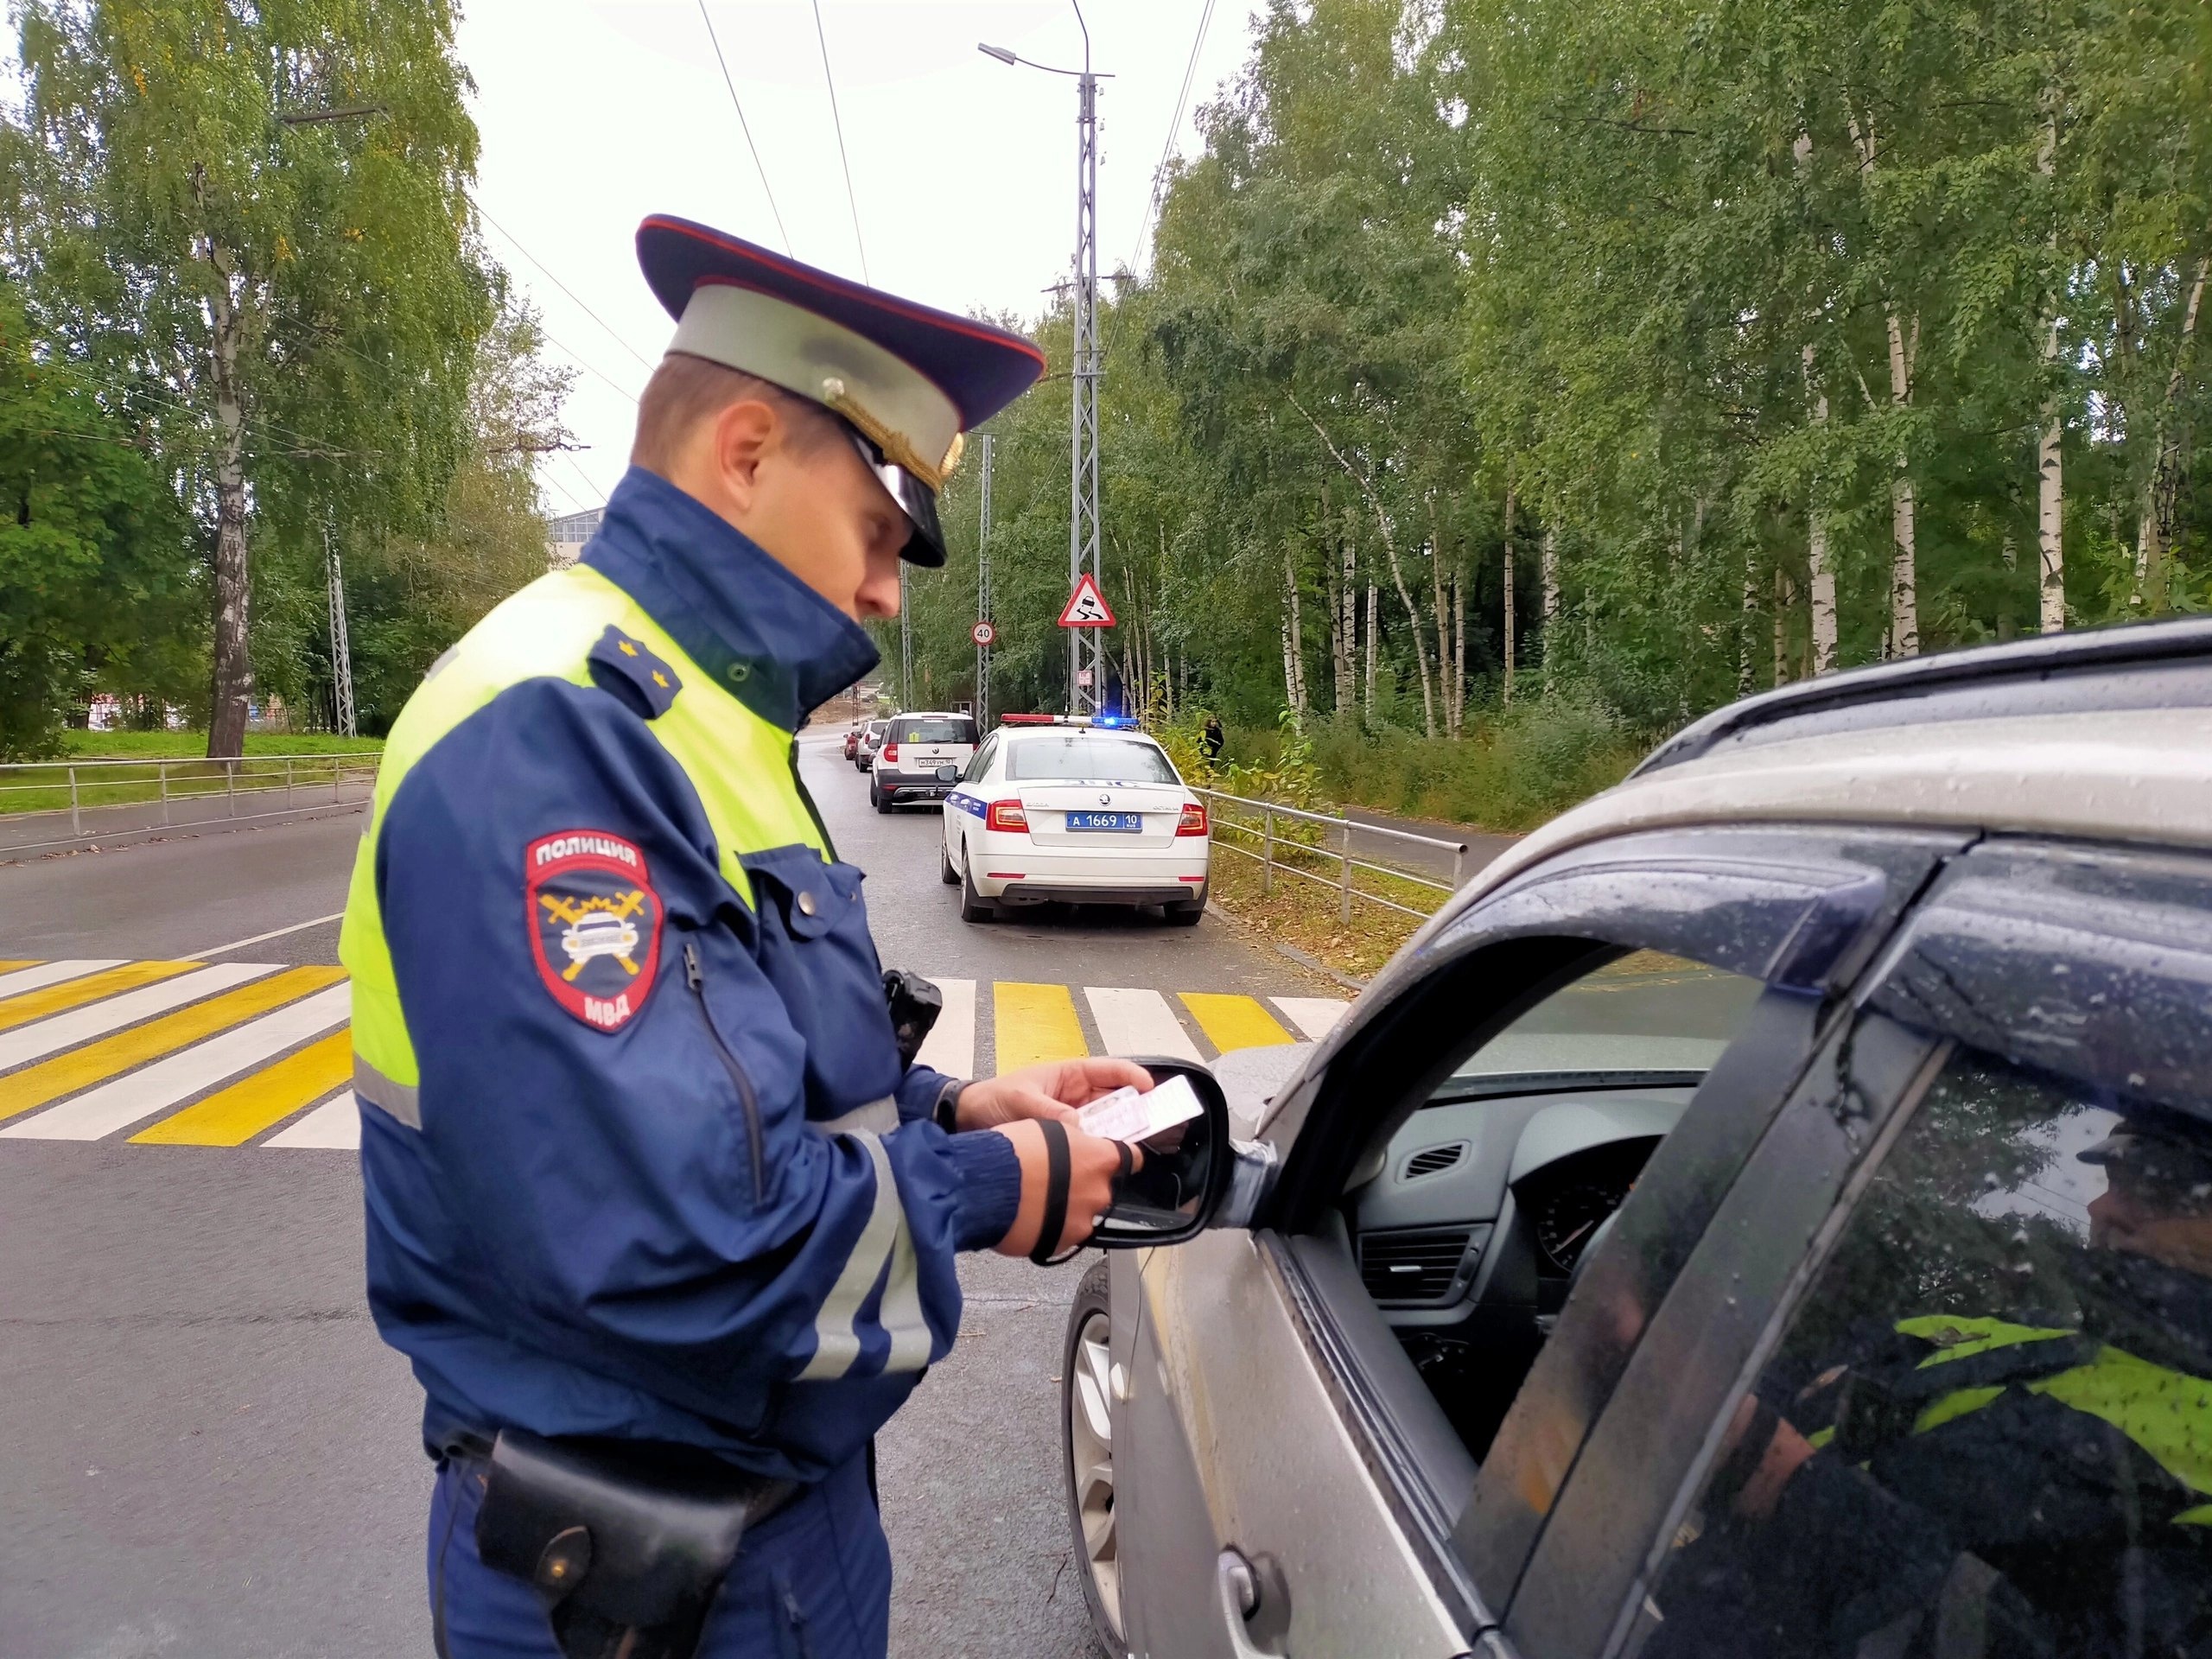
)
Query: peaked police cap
[{"x": 907, "y": 379}]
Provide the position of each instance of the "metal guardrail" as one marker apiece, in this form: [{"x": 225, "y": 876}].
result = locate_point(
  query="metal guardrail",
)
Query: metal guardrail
[
  {"x": 1270, "y": 812},
  {"x": 101, "y": 799}
]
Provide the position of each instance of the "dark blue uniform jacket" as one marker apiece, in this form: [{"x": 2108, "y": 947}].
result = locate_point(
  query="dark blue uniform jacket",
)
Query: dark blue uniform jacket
[{"x": 580, "y": 1239}]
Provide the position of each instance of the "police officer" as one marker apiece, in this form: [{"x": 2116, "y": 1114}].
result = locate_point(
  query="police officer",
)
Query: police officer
[{"x": 645, "y": 1170}]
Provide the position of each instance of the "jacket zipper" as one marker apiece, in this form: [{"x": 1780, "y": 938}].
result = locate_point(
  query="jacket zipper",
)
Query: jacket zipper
[{"x": 696, "y": 979}]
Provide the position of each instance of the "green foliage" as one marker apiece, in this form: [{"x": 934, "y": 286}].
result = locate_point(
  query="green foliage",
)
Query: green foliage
[{"x": 1510, "y": 771}]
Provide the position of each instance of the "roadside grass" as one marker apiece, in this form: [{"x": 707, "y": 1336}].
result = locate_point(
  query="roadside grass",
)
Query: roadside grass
[
  {"x": 1300, "y": 902},
  {"x": 119, "y": 769}
]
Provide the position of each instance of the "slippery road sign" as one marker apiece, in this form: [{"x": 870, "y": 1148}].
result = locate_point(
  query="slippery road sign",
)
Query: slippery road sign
[{"x": 1087, "y": 607}]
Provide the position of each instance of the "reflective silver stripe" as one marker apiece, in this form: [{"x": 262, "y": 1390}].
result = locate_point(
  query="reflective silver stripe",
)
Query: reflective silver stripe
[
  {"x": 396, "y": 1100},
  {"x": 836, "y": 1344},
  {"x": 900, "y": 1314},
  {"x": 877, "y": 1117}
]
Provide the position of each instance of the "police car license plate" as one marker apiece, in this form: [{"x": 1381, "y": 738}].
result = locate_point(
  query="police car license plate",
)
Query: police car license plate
[{"x": 1127, "y": 823}]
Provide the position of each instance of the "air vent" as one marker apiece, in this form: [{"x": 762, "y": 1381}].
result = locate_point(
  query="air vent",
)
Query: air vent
[
  {"x": 1430, "y": 1160},
  {"x": 1416, "y": 1266}
]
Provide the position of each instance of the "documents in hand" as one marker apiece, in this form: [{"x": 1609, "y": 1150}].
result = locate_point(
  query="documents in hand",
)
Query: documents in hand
[{"x": 1125, "y": 1114}]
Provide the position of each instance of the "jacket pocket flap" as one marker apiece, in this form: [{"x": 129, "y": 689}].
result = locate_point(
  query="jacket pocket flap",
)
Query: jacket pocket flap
[{"x": 810, "y": 896}]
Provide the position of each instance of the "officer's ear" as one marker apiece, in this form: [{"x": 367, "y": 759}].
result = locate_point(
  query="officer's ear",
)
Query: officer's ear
[{"x": 739, "y": 437}]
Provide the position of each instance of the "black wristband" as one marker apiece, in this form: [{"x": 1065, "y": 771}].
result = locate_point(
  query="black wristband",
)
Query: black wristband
[
  {"x": 1056, "y": 1191},
  {"x": 946, "y": 1112}
]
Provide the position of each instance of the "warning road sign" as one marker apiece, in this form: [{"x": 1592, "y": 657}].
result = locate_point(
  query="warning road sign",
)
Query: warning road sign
[
  {"x": 982, "y": 633},
  {"x": 1087, "y": 607}
]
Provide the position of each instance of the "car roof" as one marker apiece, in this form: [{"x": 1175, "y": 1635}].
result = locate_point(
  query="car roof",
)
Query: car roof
[{"x": 2104, "y": 735}]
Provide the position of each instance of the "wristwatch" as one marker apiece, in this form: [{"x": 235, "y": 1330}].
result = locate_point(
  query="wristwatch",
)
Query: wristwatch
[{"x": 946, "y": 1114}]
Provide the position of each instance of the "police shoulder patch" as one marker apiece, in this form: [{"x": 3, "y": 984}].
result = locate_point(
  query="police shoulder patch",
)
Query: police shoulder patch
[
  {"x": 620, "y": 663},
  {"x": 595, "y": 925}
]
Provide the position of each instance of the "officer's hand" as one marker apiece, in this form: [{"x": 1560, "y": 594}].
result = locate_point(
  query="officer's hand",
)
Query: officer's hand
[
  {"x": 1054, "y": 1089},
  {"x": 1092, "y": 1165}
]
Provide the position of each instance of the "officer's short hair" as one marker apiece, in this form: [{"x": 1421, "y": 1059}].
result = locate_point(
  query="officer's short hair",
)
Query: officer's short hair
[{"x": 685, "y": 391}]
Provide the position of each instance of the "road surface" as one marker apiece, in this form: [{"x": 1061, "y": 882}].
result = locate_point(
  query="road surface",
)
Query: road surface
[{"x": 209, "y": 1451}]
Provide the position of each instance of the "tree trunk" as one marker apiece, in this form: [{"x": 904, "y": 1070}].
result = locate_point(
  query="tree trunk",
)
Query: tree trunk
[
  {"x": 1374, "y": 637},
  {"x": 1744, "y": 682},
  {"x": 1443, "y": 623},
  {"x": 1782, "y": 601},
  {"x": 1508, "y": 618},
  {"x": 2050, "y": 475},
  {"x": 1347, "y": 696},
  {"x": 1547, "y": 570},
  {"x": 2162, "y": 490},
  {"x": 233, "y": 663},
  {"x": 1340, "y": 648},
  {"x": 1818, "y": 566},
  {"x": 1294, "y": 651},
  {"x": 1904, "y": 524},
  {"x": 1459, "y": 654},
  {"x": 2007, "y": 625}
]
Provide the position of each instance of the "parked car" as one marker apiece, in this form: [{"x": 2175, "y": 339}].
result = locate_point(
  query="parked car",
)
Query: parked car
[
  {"x": 1767, "y": 1212},
  {"x": 1067, "y": 811},
  {"x": 871, "y": 740},
  {"x": 915, "y": 748}
]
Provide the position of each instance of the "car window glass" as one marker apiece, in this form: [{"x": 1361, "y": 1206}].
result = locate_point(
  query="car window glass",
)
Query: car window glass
[
  {"x": 1078, "y": 758},
  {"x": 936, "y": 731},
  {"x": 980, "y": 762},
  {"x": 1486, "y": 1199},
  {"x": 1987, "y": 1430}
]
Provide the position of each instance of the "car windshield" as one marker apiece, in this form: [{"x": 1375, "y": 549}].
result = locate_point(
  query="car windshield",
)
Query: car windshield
[
  {"x": 936, "y": 731},
  {"x": 1643, "y": 1020},
  {"x": 1078, "y": 758}
]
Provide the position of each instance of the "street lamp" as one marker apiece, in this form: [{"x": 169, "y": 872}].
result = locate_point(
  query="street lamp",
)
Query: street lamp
[{"x": 1083, "y": 436}]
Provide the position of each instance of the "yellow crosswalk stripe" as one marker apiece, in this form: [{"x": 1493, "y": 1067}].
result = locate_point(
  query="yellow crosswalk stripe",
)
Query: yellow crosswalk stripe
[
  {"x": 1234, "y": 1021},
  {"x": 10, "y": 967},
  {"x": 49, "y": 1080},
  {"x": 1035, "y": 1022},
  {"x": 75, "y": 993},
  {"x": 232, "y": 1116}
]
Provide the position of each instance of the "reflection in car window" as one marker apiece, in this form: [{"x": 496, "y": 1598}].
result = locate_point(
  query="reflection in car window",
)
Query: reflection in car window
[
  {"x": 1086, "y": 759},
  {"x": 1647, "y": 1017},
  {"x": 980, "y": 762},
  {"x": 1988, "y": 1430}
]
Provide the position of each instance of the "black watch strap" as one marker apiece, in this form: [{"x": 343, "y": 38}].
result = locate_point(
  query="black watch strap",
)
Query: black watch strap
[
  {"x": 1056, "y": 1191},
  {"x": 946, "y": 1112}
]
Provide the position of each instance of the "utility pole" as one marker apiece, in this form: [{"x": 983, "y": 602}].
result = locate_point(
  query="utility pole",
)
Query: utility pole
[
  {"x": 1086, "y": 648},
  {"x": 341, "y": 654},
  {"x": 905, "y": 642},
  {"x": 983, "y": 596}
]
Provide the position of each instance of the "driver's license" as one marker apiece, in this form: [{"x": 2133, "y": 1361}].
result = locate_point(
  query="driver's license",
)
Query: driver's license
[{"x": 1125, "y": 1114}]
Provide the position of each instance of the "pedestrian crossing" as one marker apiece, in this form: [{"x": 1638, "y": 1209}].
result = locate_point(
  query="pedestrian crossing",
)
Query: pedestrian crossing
[{"x": 174, "y": 1053}]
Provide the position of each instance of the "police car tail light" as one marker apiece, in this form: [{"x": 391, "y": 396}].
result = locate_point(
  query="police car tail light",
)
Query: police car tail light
[
  {"x": 891, "y": 752},
  {"x": 1006, "y": 814},
  {"x": 1193, "y": 821}
]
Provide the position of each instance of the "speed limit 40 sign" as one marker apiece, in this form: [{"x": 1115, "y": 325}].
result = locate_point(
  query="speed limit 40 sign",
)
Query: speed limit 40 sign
[{"x": 983, "y": 633}]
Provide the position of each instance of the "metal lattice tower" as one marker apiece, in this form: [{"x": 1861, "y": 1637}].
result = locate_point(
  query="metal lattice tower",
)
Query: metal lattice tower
[
  {"x": 1086, "y": 649},
  {"x": 983, "y": 595},
  {"x": 341, "y": 654}
]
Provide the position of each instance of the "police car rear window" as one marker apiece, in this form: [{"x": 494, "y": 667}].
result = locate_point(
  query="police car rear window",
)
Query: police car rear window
[
  {"x": 936, "y": 731},
  {"x": 1088, "y": 760}
]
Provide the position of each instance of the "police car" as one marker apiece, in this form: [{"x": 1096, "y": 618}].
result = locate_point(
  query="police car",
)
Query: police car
[{"x": 1080, "y": 810}]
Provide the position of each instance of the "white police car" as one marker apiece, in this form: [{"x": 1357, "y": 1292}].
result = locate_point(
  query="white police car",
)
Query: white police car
[{"x": 1076, "y": 810}]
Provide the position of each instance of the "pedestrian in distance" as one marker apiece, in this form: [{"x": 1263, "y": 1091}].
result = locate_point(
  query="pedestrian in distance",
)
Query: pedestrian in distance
[
  {"x": 1212, "y": 739},
  {"x": 658, "y": 1210}
]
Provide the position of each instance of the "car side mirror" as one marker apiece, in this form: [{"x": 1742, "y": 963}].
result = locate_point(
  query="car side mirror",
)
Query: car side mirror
[
  {"x": 1178, "y": 1191},
  {"x": 947, "y": 774}
]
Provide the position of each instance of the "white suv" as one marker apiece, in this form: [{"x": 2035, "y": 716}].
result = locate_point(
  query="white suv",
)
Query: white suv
[{"x": 914, "y": 747}]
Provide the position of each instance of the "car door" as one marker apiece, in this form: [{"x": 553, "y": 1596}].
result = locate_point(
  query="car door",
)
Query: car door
[
  {"x": 1272, "y": 1433},
  {"x": 1877, "y": 1413},
  {"x": 964, "y": 805}
]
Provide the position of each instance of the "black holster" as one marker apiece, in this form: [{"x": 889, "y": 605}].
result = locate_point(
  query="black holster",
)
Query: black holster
[
  {"x": 915, "y": 1003},
  {"x": 625, "y": 1543}
]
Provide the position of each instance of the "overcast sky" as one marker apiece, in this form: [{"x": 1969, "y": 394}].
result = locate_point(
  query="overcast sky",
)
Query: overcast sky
[{"x": 597, "y": 112}]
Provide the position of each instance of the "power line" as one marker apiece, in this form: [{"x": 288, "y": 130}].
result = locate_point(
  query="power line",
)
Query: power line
[
  {"x": 1182, "y": 101},
  {"x": 747, "y": 127},
  {"x": 838, "y": 121},
  {"x": 592, "y": 489},
  {"x": 563, "y": 287},
  {"x": 581, "y": 360}
]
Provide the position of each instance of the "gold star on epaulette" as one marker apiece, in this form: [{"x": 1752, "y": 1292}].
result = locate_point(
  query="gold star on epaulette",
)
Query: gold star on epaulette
[{"x": 626, "y": 647}]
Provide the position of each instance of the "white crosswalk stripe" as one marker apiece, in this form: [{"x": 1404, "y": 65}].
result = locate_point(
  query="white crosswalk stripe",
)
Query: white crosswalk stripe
[
  {"x": 333, "y": 1126},
  {"x": 261, "y": 1071},
  {"x": 60, "y": 1030},
  {"x": 39, "y": 975},
  {"x": 950, "y": 1045},
  {"x": 138, "y": 1094},
  {"x": 1314, "y": 1016},
  {"x": 1139, "y": 1022}
]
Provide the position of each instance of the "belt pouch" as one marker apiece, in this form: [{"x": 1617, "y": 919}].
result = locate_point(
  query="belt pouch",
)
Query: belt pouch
[{"x": 625, "y": 1543}]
